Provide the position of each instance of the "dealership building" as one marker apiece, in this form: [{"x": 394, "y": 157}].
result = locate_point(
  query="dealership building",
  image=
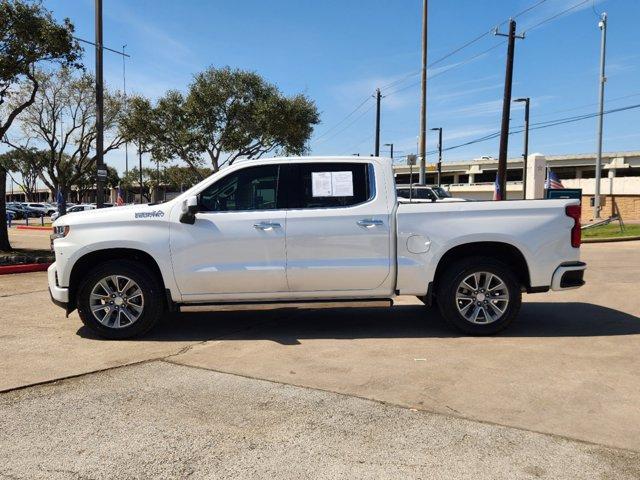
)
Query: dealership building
[{"x": 619, "y": 185}]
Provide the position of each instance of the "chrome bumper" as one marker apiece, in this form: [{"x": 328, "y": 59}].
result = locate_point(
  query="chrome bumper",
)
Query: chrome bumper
[
  {"x": 568, "y": 276},
  {"x": 59, "y": 295}
]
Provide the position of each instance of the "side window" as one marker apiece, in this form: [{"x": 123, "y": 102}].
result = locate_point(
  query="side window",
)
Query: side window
[
  {"x": 252, "y": 188},
  {"x": 331, "y": 185},
  {"x": 403, "y": 193}
]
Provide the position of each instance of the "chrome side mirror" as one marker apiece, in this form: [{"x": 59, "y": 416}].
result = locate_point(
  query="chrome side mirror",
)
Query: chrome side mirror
[{"x": 189, "y": 210}]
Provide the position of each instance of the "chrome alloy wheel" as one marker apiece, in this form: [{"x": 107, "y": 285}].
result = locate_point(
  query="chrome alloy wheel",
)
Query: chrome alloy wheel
[
  {"x": 482, "y": 297},
  {"x": 116, "y": 301}
]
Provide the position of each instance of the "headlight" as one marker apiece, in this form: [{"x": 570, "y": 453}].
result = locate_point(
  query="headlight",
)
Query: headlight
[{"x": 59, "y": 232}]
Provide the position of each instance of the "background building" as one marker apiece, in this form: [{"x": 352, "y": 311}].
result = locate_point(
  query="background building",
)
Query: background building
[{"x": 619, "y": 187}]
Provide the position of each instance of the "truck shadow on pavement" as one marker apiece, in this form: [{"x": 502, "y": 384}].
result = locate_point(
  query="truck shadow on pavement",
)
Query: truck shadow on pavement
[{"x": 288, "y": 325}]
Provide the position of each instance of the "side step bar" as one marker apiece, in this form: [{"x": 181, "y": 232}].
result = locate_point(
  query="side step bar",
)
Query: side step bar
[{"x": 346, "y": 303}]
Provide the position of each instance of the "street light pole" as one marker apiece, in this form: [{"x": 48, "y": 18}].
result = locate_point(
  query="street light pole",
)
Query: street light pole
[
  {"x": 602, "y": 24},
  {"x": 439, "y": 129},
  {"x": 525, "y": 154},
  {"x": 377, "y": 145},
  {"x": 423, "y": 101},
  {"x": 390, "y": 145},
  {"x": 506, "y": 109},
  {"x": 100, "y": 168}
]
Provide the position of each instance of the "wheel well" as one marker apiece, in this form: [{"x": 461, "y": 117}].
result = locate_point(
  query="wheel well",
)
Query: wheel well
[
  {"x": 90, "y": 260},
  {"x": 504, "y": 252}
]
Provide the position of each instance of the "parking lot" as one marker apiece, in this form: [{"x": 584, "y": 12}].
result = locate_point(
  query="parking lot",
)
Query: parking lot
[{"x": 287, "y": 391}]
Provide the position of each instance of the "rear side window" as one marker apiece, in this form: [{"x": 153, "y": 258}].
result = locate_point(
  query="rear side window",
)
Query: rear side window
[{"x": 331, "y": 185}]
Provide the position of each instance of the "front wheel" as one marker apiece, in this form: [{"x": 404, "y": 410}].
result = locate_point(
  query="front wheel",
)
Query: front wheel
[
  {"x": 120, "y": 299},
  {"x": 479, "y": 295}
]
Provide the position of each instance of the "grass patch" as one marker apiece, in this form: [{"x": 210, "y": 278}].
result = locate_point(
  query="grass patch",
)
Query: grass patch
[{"x": 611, "y": 230}]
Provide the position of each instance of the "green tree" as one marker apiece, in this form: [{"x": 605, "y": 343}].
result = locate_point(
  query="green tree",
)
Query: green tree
[
  {"x": 238, "y": 113},
  {"x": 226, "y": 114},
  {"x": 87, "y": 183},
  {"x": 29, "y": 36},
  {"x": 24, "y": 167}
]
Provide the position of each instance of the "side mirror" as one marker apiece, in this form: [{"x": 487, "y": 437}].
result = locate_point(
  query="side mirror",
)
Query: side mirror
[{"x": 189, "y": 210}]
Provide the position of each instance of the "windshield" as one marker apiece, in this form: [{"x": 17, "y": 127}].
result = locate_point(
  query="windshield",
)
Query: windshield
[{"x": 441, "y": 192}]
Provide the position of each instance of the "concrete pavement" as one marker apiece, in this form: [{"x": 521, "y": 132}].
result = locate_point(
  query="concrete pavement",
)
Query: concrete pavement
[
  {"x": 160, "y": 420},
  {"x": 568, "y": 367}
]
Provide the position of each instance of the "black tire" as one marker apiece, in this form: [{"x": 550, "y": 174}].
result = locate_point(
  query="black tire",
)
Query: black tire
[
  {"x": 152, "y": 298},
  {"x": 452, "y": 279}
]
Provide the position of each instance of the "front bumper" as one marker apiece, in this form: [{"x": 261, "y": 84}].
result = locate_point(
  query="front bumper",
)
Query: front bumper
[
  {"x": 568, "y": 276},
  {"x": 59, "y": 295}
]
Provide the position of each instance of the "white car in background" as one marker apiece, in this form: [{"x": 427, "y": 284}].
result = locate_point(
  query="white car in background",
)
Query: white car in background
[
  {"x": 41, "y": 207},
  {"x": 425, "y": 193},
  {"x": 74, "y": 208}
]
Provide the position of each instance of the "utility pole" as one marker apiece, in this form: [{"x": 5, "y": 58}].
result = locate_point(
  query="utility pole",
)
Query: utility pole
[
  {"x": 439, "y": 129},
  {"x": 506, "y": 109},
  {"x": 525, "y": 154},
  {"x": 390, "y": 145},
  {"x": 140, "y": 172},
  {"x": 126, "y": 144},
  {"x": 101, "y": 172},
  {"x": 602, "y": 24},
  {"x": 423, "y": 102},
  {"x": 377, "y": 147}
]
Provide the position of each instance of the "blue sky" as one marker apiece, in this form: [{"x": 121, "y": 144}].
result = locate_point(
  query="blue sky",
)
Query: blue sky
[{"x": 338, "y": 52}]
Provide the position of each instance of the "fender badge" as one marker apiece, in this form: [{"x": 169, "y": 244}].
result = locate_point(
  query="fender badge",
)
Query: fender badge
[{"x": 152, "y": 214}]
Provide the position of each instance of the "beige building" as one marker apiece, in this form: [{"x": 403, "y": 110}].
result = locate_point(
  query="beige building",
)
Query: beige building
[{"x": 619, "y": 186}]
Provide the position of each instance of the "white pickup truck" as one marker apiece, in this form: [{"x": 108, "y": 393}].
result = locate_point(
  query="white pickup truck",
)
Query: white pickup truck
[{"x": 309, "y": 229}]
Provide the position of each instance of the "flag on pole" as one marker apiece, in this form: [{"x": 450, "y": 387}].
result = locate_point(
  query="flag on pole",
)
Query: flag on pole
[
  {"x": 553, "y": 182},
  {"x": 119, "y": 199},
  {"x": 497, "y": 194},
  {"x": 59, "y": 200}
]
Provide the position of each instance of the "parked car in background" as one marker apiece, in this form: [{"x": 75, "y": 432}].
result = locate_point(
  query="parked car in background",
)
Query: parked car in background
[
  {"x": 24, "y": 210},
  {"x": 425, "y": 193},
  {"x": 43, "y": 208},
  {"x": 73, "y": 209},
  {"x": 15, "y": 213}
]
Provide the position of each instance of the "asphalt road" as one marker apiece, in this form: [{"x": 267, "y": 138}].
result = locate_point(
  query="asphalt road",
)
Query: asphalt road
[{"x": 351, "y": 392}]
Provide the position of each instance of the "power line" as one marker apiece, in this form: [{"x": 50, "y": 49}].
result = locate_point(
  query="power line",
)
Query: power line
[
  {"x": 459, "y": 64},
  {"x": 463, "y": 46},
  {"x": 435, "y": 62},
  {"x": 553, "y": 17},
  {"x": 360, "y": 105},
  {"x": 539, "y": 126},
  {"x": 348, "y": 125}
]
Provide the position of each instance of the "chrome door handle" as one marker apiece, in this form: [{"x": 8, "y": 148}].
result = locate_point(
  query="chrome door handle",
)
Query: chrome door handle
[
  {"x": 369, "y": 222},
  {"x": 266, "y": 225}
]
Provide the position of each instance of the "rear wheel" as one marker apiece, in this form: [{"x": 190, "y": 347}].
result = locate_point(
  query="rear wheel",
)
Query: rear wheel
[
  {"x": 120, "y": 299},
  {"x": 479, "y": 295}
]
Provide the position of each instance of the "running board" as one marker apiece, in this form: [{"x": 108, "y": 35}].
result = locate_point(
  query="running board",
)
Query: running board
[{"x": 346, "y": 303}]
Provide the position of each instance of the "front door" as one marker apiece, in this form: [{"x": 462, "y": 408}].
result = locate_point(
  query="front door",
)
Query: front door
[
  {"x": 237, "y": 244},
  {"x": 338, "y": 228}
]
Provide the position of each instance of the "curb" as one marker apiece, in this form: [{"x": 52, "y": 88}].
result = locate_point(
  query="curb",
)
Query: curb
[
  {"x": 23, "y": 268},
  {"x": 29, "y": 227},
  {"x": 610, "y": 239}
]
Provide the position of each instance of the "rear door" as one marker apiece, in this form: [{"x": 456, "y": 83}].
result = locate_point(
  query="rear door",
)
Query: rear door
[{"x": 338, "y": 228}]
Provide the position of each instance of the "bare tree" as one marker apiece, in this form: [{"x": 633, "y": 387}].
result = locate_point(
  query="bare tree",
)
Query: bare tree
[{"x": 62, "y": 121}]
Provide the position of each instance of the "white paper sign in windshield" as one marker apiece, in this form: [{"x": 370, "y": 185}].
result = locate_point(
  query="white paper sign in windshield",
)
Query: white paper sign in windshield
[
  {"x": 342, "y": 184},
  {"x": 321, "y": 184},
  {"x": 332, "y": 184}
]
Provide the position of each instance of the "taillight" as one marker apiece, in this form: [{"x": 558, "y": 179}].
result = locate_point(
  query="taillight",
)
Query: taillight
[{"x": 574, "y": 212}]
